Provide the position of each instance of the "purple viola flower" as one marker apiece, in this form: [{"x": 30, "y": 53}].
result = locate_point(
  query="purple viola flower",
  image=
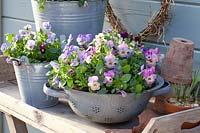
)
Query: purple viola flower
[
  {"x": 51, "y": 37},
  {"x": 110, "y": 43},
  {"x": 108, "y": 30},
  {"x": 148, "y": 71},
  {"x": 55, "y": 66},
  {"x": 108, "y": 76},
  {"x": 64, "y": 56},
  {"x": 110, "y": 61},
  {"x": 74, "y": 63},
  {"x": 22, "y": 33},
  {"x": 151, "y": 62},
  {"x": 30, "y": 44},
  {"x": 84, "y": 39},
  {"x": 82, "y": 56},
  {"x": 42, "y": 48},
  {"x": 137, "y": 39},
  {"x": 91, "y": 51},
  {"x": 55, "y": 81},
  {"x": 124, "y": 35},
  {"x": 28, "y": 27},
  {"x": 46, "y": 25},
  {"x": 4, "y": 46},
  {"x": 16, "y": 38},
  {"x": 153, "y": 54},
  {"x": 124, "y": 94},
  {"x": 8, "y": 60},
  {"x": 93, "y": 83},
  {"x": 123, "y": 50}
]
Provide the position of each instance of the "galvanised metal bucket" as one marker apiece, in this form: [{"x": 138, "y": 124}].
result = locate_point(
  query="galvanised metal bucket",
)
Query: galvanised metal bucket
[
  {"x": 30, "y": 79},
  {"x": 67, "y": 17}
]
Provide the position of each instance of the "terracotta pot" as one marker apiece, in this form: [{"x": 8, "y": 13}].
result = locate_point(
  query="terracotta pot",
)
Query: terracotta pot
[{"x": 171, "y": 108}]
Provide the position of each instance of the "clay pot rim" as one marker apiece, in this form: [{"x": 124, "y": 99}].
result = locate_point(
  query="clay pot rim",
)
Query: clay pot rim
[{"x": 176, "y": 106}]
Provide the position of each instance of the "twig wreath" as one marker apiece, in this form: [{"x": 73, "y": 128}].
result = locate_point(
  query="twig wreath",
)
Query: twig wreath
[{"x": 154, "y": 28}]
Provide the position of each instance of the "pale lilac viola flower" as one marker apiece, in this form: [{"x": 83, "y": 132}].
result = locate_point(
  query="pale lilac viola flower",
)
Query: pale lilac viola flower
[
  {"x": 93, "y": 83},
  {"x": 22, "y": 33},
  {"x": 89, "y": 59},
  {"x": 30, "y": 44},
  {"x": 98, "y": 42},
  {"x": 123, "y": 93},
  {"x": 153, "y": 54},
  {"x": 84, "y": 39},
  {"x": 123, "y": 50},
  {"x": 150, "y": 79},
  {"x": 108, "y": 76},
  {"x": 46, "y": 25},
  {"x": 64, "y": 56},
  {"x": 93, "y": 79},
  {"x": 74, "y": 63},
  {"x": 4, "y": 46},
  {"x": 28, "y": 27},
  {"x": 110, "y": 61},
  {"x": 8, "y": 60},
  {"x": 55, "y": 81},
  {"x": 51, "y": 37},
  {"x": 110, "y": 43},
  {"x": 109, "y": 30},
  {"x": 55, "y": 66}
]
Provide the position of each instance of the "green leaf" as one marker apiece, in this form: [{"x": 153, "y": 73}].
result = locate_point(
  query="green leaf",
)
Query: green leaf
[
  {"x": 99, "y": 67},
  {"x": 103, "y": 91},
  {"x": 113, "y": 91},
  {"x": 138, "y": 88},
  {"x": 9, "y": 37},
  {"x": 125, "y": 78},
  {"x": 70, "y": 83},
  {"x": 126, "y": 69},
  {"x": 53, "y": 50}
]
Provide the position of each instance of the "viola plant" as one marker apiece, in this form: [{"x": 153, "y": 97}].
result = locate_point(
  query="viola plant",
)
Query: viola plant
[
  {"x": 81, "y": 3},
  {"x": 109, "y": 64},
  {"x": 39, "y": 47}
]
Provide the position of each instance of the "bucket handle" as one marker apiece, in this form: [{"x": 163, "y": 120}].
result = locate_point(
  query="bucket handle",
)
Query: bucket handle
[{"x": 54, "y": 93}]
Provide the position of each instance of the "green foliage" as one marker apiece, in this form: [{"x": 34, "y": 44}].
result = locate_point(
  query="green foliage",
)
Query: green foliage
[
  {"x": 42, "y": 3},
  {"x": 18, "y": 46},
  {"x": 188, "y": 94}
]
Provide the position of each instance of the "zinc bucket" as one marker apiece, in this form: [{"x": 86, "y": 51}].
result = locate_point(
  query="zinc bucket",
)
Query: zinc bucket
[
  {"x": 67, "y": 17},
  {"x": 30, "y": 79}
]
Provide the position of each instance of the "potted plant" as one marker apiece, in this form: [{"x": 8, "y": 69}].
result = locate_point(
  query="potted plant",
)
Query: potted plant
[
  {"x": 109, "y": 80},
  {"x": 30, "y": 52},
  {"x": 70, "y": 16},
  {"x": 186, "y": 97}
]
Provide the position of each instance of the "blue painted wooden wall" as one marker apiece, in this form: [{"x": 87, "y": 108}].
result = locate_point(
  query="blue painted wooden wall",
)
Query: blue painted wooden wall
[{"x": 184, "y": 21}]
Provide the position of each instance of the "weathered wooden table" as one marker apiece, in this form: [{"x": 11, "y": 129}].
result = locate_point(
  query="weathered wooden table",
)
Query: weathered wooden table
[{"x": 61, "y": 119}]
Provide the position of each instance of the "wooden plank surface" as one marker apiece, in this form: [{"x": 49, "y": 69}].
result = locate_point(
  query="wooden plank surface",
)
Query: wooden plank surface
[
  {"x": 15, "y": 125},
  {"x": 172, "y": 123},
  {"x": 58, "y": 119}
]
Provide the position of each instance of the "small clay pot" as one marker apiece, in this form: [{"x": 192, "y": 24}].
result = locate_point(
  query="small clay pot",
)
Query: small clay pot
[{"x": 171, "y": 108}]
